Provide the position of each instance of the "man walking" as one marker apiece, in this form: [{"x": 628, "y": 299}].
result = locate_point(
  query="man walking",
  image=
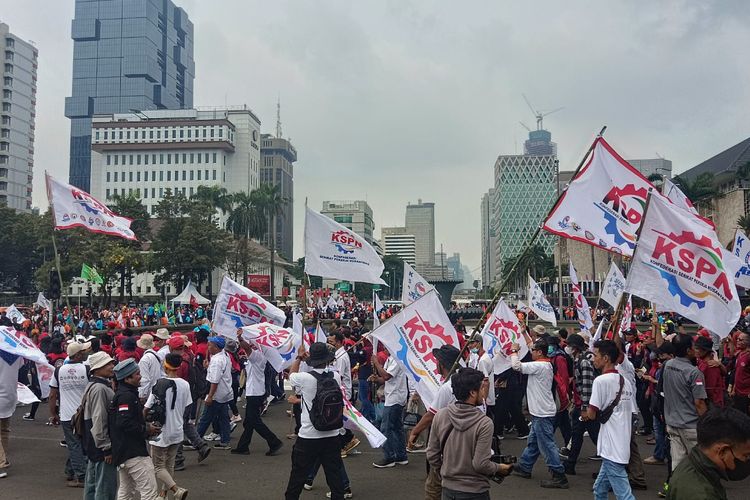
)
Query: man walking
[
  {"x": 343, "y": 365},
  {"x": 150, "y": 365},
  {"x": 220, "y": 394},
  {"x": 392, "y": 427}
]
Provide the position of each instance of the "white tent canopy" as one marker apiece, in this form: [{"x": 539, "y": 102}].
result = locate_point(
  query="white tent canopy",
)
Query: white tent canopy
[{"x": 190, "y": 291}]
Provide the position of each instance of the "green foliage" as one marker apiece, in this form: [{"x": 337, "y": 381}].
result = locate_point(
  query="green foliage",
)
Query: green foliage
[
  {"x": 700, "y": 189},
  {"x": 744, "y": 223}
]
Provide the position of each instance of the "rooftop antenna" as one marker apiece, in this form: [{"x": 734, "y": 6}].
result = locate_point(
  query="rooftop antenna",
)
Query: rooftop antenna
[
  {"x": 278, "y": 118},
  {"x": 539, "y": 114}
]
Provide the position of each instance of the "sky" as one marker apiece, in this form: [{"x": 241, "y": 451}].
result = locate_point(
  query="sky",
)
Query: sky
[{"x": 396, "y": 100}]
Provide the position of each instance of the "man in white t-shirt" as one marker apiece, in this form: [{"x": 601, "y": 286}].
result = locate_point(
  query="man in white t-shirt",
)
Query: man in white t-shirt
[
  {"x": 543, "y": 410},
  {"x": 164, "y": 445},
  {"x": 612, "y": 398},
  {"x": 150, "y": 365},
  {"x": 392, "y": 427},
  {"x": 9, "y": 366},
  {"x": 68, "y": 385},
  {"x": 219, "y": 375},
  {"x": 485, "y": 365},
  {"x": 343, "y": 365}
]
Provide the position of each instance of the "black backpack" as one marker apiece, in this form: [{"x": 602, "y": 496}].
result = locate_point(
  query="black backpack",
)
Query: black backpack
[
  {"x": 197, "y": 378},
  {"x": 158, "y": 411},
  {"x": 327, "y": 411}
]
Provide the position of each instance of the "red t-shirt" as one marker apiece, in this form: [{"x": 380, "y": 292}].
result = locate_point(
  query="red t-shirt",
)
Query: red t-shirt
[
  {"x": 742, "y": 373},
  {"x": 714, "y": 382}
]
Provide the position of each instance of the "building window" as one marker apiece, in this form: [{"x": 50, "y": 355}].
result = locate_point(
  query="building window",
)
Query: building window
[
  {"x": 169, "y": 175},
  {"x": 161, "y": 192},
  {"x": 153, "y": 192},
  {"x": 189, "y": 133},
  {"x": 107, "y": 176},
  {"x": 206, "y": 158},
  {"x": 97, "y": 136},
  {"x": 184, "y": 175},
  {"x": 120, "y": 135},
  {"x": 138, "y": 176},
  {"x": 158, "y": 133},
  {"x": 130, "y": 159},
  {"x": 130, "y": 176},
  {"x": 153, "y": 159},
  {"x": 212, "y": 132},
  {"x": 192, "y": 157},
  {"x": 115, "y": 176},
  {"x": 153, "y": 175},
  {"x": 107, "y": 193},
  {"x": 182, "y": 134},
  {"x": 150, "y": 134},
  {"x": 214, "y": 158},
  {"x": 199, "y": 157},
  {"x": 6, "y": 106},
  {"x": 169, "y": 159},
  {"x": 145, "y": 159},
  {"x": 161, "y": 175},
  {"x": 138, "y": 159},
  {"x": 214, "y": 175},
  {"x": 204, "y": 132},
  {"x": 174, "y": 133},
  {"x": 191, "y": 191},
  {"x": 161, "y": 159},
  {"x": 127, "y": 135},
  {"x": 106, "y": 135},
  {"x": 199, "y": 174},
  {"x": 221, "y": 131},
  {"x": 109, "y": 159},
  {"x": 191, "y": 175},
  {"x": 8, "y": 81},
  {"x": 206, "y": 177},
  {"x": 184, "y": 158},
  {"x": 145, "y": 193}
]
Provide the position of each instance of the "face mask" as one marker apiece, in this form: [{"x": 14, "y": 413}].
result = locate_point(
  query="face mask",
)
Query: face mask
[
  {"x": 474, "y": 350},
  {"x": 550, "y": 350},
  {"x": 741, "y": 469},
  {"x": 569, "y": 351}
]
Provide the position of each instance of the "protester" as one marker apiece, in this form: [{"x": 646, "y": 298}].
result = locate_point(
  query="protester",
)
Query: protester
[
  {"x": 396, "y": 393},
  {"x": 342, "y": 364},
  {"x": 713, "y": 371},
  {"x": 739, "y": 390},
  {"x": 217, "y": 401},
  {"x": 150, "y": 365},
  {"x": 9, "y": 366}
]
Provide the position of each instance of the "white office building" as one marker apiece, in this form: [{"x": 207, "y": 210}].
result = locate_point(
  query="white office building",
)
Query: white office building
[{"x": 397, "y": 242}]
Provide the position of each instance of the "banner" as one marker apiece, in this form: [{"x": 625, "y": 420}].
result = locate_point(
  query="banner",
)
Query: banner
[
  {"x": 72, "y": 207},
  {"x": 278, "y": 345},
  {"x": 539, "y": 304},
  {"x": 13, "y": 314},
  {"x": 613, "y": 286},
  {"x": 500, "y": 332},
  {"x": 603, "y": 204},
  {"x": 680, "y": 265},
  {"x": 237, "y": 306},
  {"x": 90, "y": 274},
  {"x": 353, "y": 420},
  {"x": 413, "y": 286},
  {"x": 741, "y": 250},
  {"x": 25, "y": 396},
  {"x": 259, "y": 283},
  {"x": 333, "y": 251},
  {"x": 597, "y": 335},
  {"x": 14, "y": 344},
  {"x": 582, "y": 306},
  {"x": 44, "y": 372},
  {"x": 376, "y": 304},
  {"x": 627, "y": 316},
  {"x": 43, "y": 302},
  {"x": 410, "y": 337}
]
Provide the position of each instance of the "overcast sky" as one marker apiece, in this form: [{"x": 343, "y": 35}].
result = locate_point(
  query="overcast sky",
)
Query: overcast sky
[{"x": 391, "y": 101}]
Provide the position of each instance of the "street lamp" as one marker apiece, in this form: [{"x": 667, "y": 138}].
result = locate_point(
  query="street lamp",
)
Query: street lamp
[{"x": 387, "y": 280}]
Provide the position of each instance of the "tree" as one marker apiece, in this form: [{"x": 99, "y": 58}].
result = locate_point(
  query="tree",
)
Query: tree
[
  {"x": 744, "y": 223},
  {"x": 23, "y": 254},
  {"x": 246, "y": 220},
  {"x": 215, "y": 196},
  {"x": 272, "y": 204},
  {"x": 699, "y": 189}
]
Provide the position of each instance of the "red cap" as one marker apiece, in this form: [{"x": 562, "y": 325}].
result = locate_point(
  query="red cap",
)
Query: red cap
[{"x": 176, "y": 342}]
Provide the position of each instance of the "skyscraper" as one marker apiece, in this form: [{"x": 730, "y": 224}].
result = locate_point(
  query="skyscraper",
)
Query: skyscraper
[
  {"x": 354, "y": 215},
  {"x": 277, "y": 157},
  {"x": 17, "y": 120},
  {"x": 128, "y": 56},
  {"x": 397, "y": 242},
  {"x": 488, "y": 238},
  {"x": 420, "y": 221}
]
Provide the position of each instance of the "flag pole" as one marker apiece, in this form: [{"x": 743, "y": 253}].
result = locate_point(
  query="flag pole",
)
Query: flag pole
[{"x": 59, "y": 275}]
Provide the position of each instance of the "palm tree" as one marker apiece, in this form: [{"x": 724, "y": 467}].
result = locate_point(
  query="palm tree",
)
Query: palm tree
[
  {"x": 246, "y": 220},
  {"x": 215, "y": 196},
  {"x": 273, "y": 205}
]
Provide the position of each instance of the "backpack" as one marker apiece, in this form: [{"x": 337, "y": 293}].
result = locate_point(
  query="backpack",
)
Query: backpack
[
  {"x": 158, "y": 411},
  {"x": 197, "y": 379},
  {"x": 327, "y": 411},
  {"x": 559, "y": 386}
]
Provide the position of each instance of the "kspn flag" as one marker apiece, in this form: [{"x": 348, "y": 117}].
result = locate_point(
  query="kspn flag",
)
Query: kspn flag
[
  {"x": 539, "y": 304},
  {"x": 413, "y": 286},
  {"x": 333, "y": 251},
  {"x": 680, "y": 264},
  {"x": 741, "y": 250},
  {"x": 14, "y": 344},
  {"x": 582, "y": 306},
  {"x": 73, "y": 207},
  {"x": 603, "y": 205},
  {"x": 613, "y": 286},
  {"x": 278, "y": 345},
  {"x": 237, "y": 306},
  {"x": 410, "y": 337},
  {"x": 498, "y": 335},
  {"x": 43, "y": 301}
]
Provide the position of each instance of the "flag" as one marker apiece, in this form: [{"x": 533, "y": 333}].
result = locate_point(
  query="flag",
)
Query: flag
[
  {"x": 333, "y": 251},
  {"x": 320, "y": 334},
  {"x": 90, "y": 274},
  {"x": 673, "y": 194},
  {"x": 354, "y": 419},
  {"x": 523, "y": 307},
  {"x": 44, "y": 372},
  {"x": 237, "y": 306},
  {"x": 193, "y": 301},
  {"x": 43, "y": 301},
  {"x": 413, "y": 286},
  {"x": 597, "y": 335},
  {"x": 13, "y": 314},
  {"x": 681, "y": 265},
  {"x": 741, "y": 250},
  {"x": 539, "y": 304},
  {"x": 297, "y": 324},
  {"x": 613, "y": 286},
  {"x": 603, "y": 205},
  {"x": 500, "y": 331},
  {"x": 377, "y": 305},
  {"x": 278, "y": 345},
  {"x": 410, "y": 337},
  {"x": 73, "y": 207},
  {"x": 331, "y": 303},
  {"x": 14, "y": 344},
  {"x": 320, "y": 303},
  {"x": 582, "y": 306},
  {"x": 25, "y": 396},
  {"x": 627, "y": 316}
]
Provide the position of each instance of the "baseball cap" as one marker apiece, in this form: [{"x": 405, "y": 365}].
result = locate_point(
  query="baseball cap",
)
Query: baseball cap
[{"x": 76, "y": 347}]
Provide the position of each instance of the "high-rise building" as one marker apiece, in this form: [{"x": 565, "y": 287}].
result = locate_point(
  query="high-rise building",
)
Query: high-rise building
[
  {"x": 277, "y": 157},
  {"x": 128, "y": 56},
  {"x": 397, "y": 242},
  {"x": 488, "y": 238},
  {"x": 17, "y": 120},
  {"x": 420, "y": 221},
  {"x": 150, "y": 152},
  {"x": 354, "y": 215},
  {"x": 454, "y": 264},
  {"x": 539, "y": 143}
]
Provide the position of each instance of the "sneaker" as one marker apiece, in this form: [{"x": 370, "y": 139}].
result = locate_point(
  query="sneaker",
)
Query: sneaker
[
  {"x": 222, "y": 446},
  {"x": 663, "y": 492},
  {"x": 653, "y": 461},
  {"x": 179, "y": 466},
  {"x": 384, "y": 463},
  {"x": 350, "y": 446},
  {"x": 75, "y": 483},
  {"x": 521, "y": 473},
  {"x": 235, "y": 419},
  {"x": 500, "y": 437},
  {"x": 420, "y": 449},
  {"x": 211, "y": 436},
  {"x": 188, "y": 447},
  {"x": 595, "y": 458},
  {"x": 235, "y": 451},
  {"x": 28, "y": 417},
  {"x": 203, "y": 453},
  {"x": 180, "y": 494},
  {"x": 522, "y": 436},
  {"x": 564, "y": 452},
  {"x": 232, "y": 427},
  {"x": 3, "y": 474},
  {"x": 274, "y": 449},
  {"x": 347, "y": 493},
  {"x": 308, "y": 485},
  {"x": 402, "y": 462},
  {"x": 63, "y": 444},
  {"x": 353, "y": 453}
]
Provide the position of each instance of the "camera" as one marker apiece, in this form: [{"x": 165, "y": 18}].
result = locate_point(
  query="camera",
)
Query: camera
[{"x": 503, "y": 459}]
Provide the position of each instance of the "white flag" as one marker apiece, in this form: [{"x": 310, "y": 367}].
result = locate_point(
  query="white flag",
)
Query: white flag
[
  {"x": 320, "y": 334},
  {"x": 499, "y": 333},
  {"x": 297, "y": 324},
  {"x": 376, "y": 303},
  {"x": 523, "y": 307},
  {"x": 25, "y": 396},
  {"x": 413, "y": 286},
  {"x": 597, "y": 335},
  {"x": 582, "y": 306},
  {"x": 677, "y": 197},
  {"x": 43, "y": 301},
  {"x": 14, "y": 314},
  {"x": 741, "y": 251},
  {"x": 44, "y": 372},
  {"x": 237, "y": 306},
  {"x": 353, "y": 419},
  {"x": 410, "y": 337},
  {"x": 627, "y": 316},
  {"x": 333, "y": 251},
  {"x": 681, "y": 265},
  {"x": 73, "y": 207},
  {"x": 14, "y": 344},
  {"x": 539, "y": 304},
  {"x": 331, "y": 304},
  {"x": 278, "y": 345},
  {"x": 320, "y": 303},
  {"x": 613, "y": 286}
]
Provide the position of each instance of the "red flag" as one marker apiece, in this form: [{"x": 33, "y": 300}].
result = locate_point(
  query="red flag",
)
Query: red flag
[{"x": 193, "y": 301}]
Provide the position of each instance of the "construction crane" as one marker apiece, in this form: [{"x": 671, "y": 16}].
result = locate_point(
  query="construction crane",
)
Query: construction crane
[
  {"x": 525, "y": 126},
  {"x": 539, "y": 114}
]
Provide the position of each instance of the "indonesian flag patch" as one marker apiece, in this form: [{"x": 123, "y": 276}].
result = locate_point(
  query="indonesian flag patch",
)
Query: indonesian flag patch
[{"x": 122, "y": 408}]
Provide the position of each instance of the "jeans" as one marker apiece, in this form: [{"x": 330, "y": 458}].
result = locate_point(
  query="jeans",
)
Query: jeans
[
  {"x": 101, "y": 481},
  {"x": 660, "y": 430},
  {"x": 612, "y": 475},
  {"x": 541, "y": 440},
  {"x": 576, "y": 439},
  {"x": 304, "y": 455},
  {"x": 367, "y": 409},
  {"x": 253, "y": 422},
  {"x": 392, "y": 427},
  {"x": 212, "y": 411},
  {"x": 272, "y": 382},
  {"x": 76, "y": 463},
  {"x": 462, "y": 495}
]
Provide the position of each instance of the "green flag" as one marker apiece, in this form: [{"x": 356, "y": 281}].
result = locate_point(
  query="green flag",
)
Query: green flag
[{"x": 90, "y": 274}]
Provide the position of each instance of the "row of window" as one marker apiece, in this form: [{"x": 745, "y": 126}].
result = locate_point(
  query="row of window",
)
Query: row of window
[
  {"x": 122, "y": 192},
  {"x": 203, "y": 132},
  {"x": 200, "y": 175},
  {"x": 115, "y": 159}
]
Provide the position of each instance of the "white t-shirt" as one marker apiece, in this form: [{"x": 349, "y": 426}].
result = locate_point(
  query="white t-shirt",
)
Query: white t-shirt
[
  {"x": 255, "y": 383},
  {"x": 487, "y": 367},
  {"x": 627, "y": 370},
  {"x": 172, "y": 431},
  {"x": 71, "y": 381},
  {"x": 539, "y": 396},
  {"x": 151, "y": 369},
  {"x": 343, "y": 365},
  {"x": 306, "y": 386},
  {"x": 443, "y": 398},
  {"x": 220, "y": 372},
  {"x": 614, "y": 436},
  {"x": 8, "y": 386},
  {"x": 395, "y": 387}
]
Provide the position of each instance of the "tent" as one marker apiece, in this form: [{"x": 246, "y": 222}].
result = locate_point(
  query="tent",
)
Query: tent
[{"x": 189, "y": 294}]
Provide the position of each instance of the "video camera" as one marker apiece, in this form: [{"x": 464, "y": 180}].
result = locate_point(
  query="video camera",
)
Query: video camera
[{"x": 503, "y": 459}]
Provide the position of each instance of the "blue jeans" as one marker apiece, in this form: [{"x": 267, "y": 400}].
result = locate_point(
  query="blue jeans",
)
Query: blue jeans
[
  {"x": 213, "y": 411},
  {"x": 366, "y": 406},
  {"x": 101, "y": 481},
  {"x": 660, "y": 436},
  {"x": 76, "y": 464},
  {"x": 614, "y": 475},
  {"x": 392, "y": 427},
  {"x": 541, "y": 440}
]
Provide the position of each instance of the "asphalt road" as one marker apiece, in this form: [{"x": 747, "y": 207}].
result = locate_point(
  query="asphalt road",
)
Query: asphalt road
[{"x": 38, "y": 460}]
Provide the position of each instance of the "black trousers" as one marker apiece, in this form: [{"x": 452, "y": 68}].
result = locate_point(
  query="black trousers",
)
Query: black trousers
[
  {"x": 304, "y": 455},
  {"x": 576, "y": 438},
  {"x": 562, "y": 422},
  {"x": 253, "y": 422},
  {"x": 508, "y": 410}
]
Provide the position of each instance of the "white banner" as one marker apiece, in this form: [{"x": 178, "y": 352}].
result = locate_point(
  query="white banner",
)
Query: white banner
[
  {"x": 680, "y": 264},
  {"x": 72, "y": 207},
  {"x": 678, "y": 198},
  {"x": 43, "y": 301},
  {"x": 25, "y": 396},
  {"x": 237, "y": 306},
  {"x": 603, "y": 205},
  {"x": 16, "y": 344},
  {"x": 15, "y": 315},
  {"x": 331, "y": 303},
  {"x": 377, "y": 305},
  {"x": 278, "y": 345},
  {"x": 410, "y": 337},
  {"x": 627, "y": 316},
  {"x": 499, "y": 333},
  {"x": 413, "y": 286},
  {"x": 333, "y": 251},
  {"x": 597, "y": 335},
  {"x": 353, "y": 419},
  {"x": 613, "y": 286},
  {"x": 582, "y": 306},
  {"x": 44, "y": 372},
  {"x": 539, "y": 304},
  {"x": 741, "y": 250}
]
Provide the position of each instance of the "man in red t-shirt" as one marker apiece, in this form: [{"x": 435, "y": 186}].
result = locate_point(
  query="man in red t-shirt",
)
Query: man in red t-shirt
[
  {"x": 740, "y": 388},
  {"x": 713, "y": 371}
]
